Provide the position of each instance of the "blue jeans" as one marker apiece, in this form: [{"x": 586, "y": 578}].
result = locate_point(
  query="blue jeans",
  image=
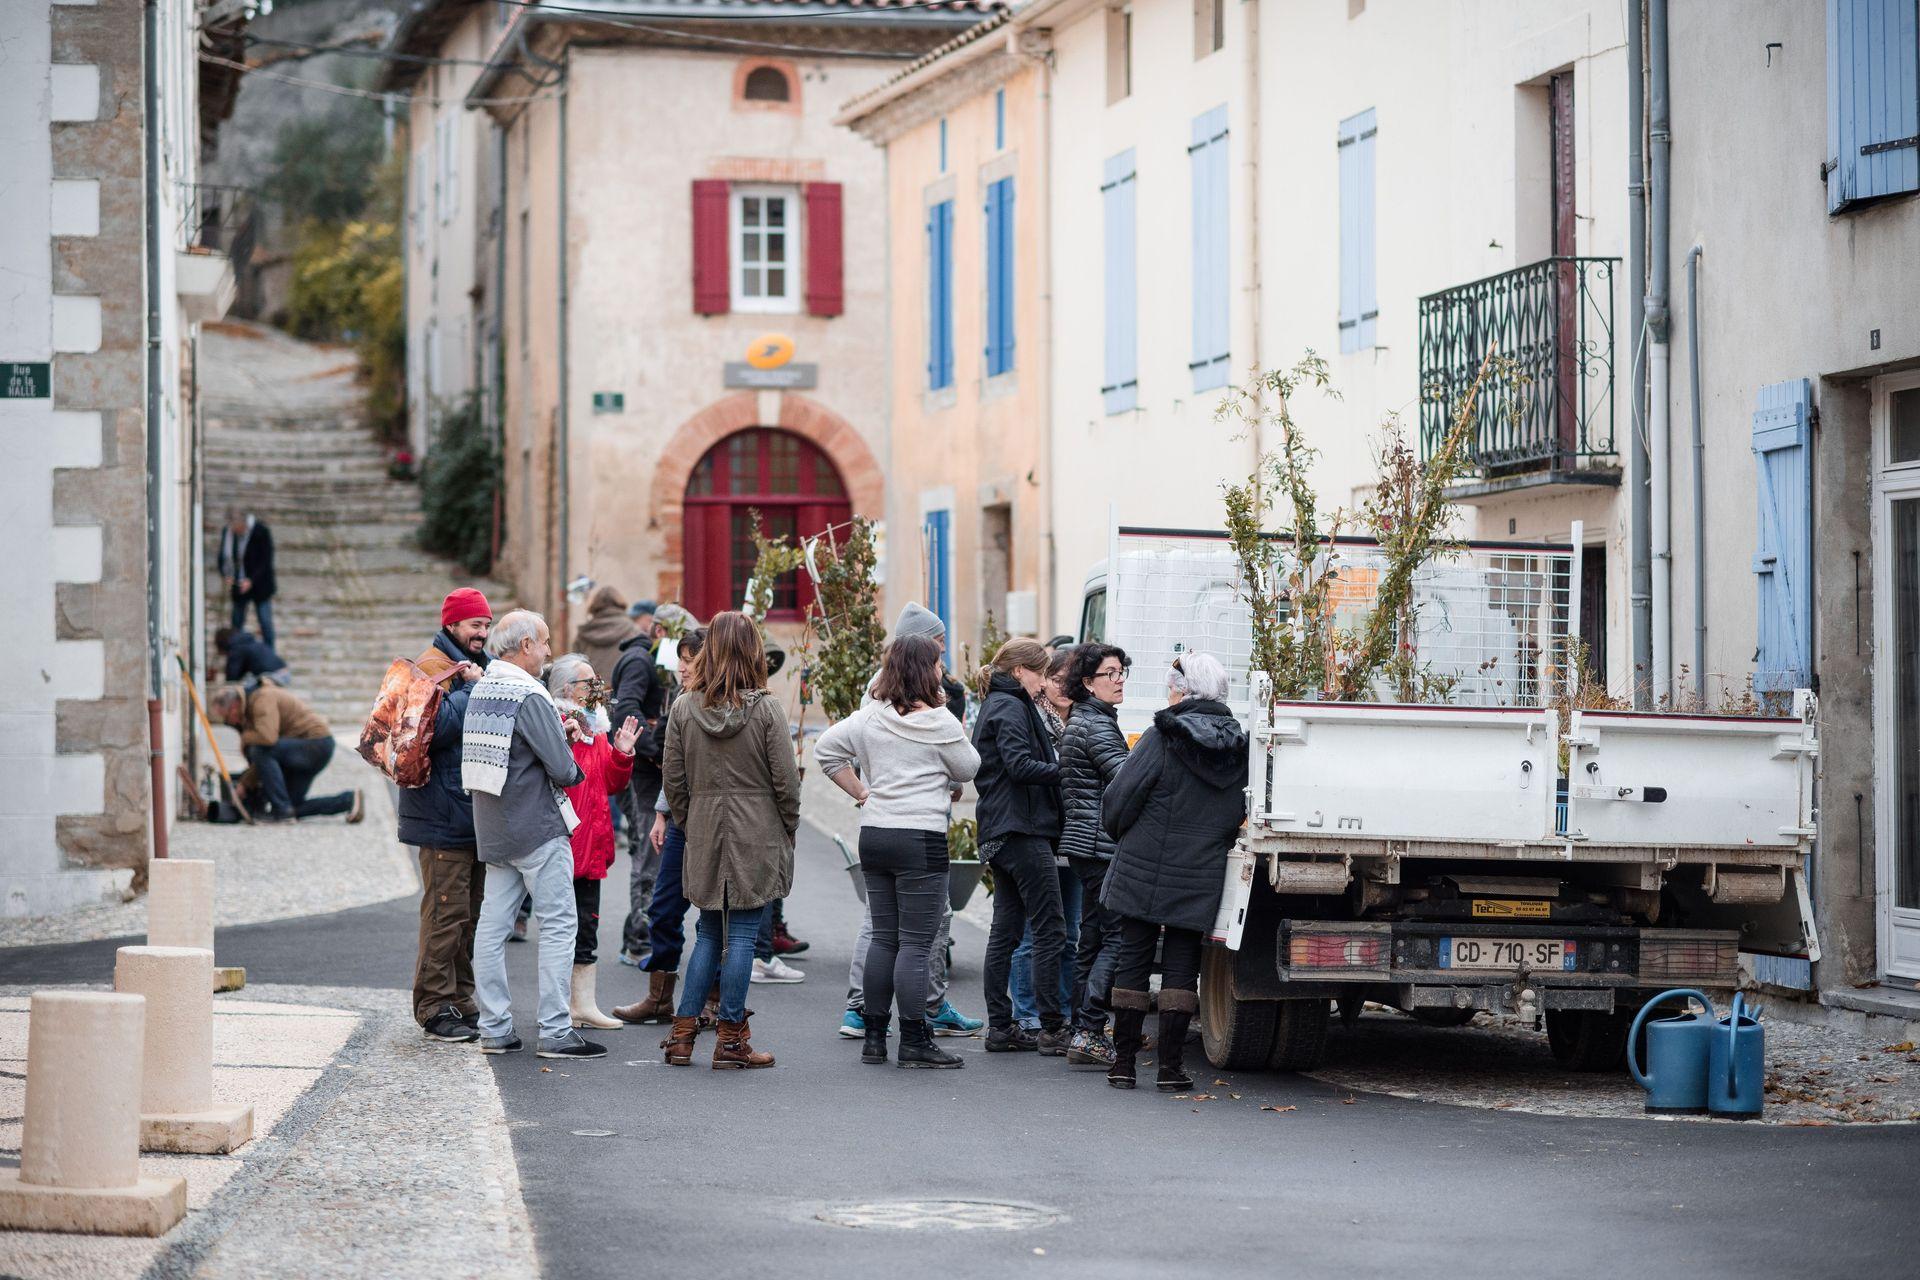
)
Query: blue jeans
[
  {"x": 1020, "y": 978},
  {"x": 262, "y": 607},
  {"x": 667, "y": 908},
  {"x": 734, "y": 964},
  {"x": 286, "y": 771},
  {"x": 547, "y": 874}
]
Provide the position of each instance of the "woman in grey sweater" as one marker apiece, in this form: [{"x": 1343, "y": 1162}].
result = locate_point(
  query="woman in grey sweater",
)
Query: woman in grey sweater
[{"x": 900, "y": 756}]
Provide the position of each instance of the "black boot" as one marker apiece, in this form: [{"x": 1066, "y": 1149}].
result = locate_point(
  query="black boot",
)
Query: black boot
[
  {"x": 1129, "y": 1012},
  {"x": 875, "y": 1048},
  {"x": 1176, "y": 1011},
  {"x": 917, "y": 1048}
]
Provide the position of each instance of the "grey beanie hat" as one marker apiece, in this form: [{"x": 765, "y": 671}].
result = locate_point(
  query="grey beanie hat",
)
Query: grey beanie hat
[{"x": 916, "y": 620}]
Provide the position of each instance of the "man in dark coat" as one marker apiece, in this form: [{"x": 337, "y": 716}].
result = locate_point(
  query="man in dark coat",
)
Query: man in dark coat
[
  {"x": 1173, "y": 812},
  {"x": 637, "y": 687},
  {"x": 249, "y": 659},
  {"x": 438, "y": 819},
  {"x": 246, "y": 563}
]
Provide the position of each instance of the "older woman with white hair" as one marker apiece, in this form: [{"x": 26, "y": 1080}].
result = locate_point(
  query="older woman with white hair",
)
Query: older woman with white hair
[{"x": 1172, "y": 811}]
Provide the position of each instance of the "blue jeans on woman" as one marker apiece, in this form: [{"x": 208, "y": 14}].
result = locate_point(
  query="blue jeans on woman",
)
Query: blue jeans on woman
[
  {"x": 730, "y": 957},
  {"x": 1020, "y": 978}
]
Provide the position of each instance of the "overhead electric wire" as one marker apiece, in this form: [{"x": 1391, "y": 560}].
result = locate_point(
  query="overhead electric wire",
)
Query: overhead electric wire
[
  {"x": 377, "y": 95},
  {"x": 864, "y": 11}
]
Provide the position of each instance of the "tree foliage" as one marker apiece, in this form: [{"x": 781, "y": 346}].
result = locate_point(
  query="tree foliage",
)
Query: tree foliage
[
  {"x": 457, "y": 489},
  {"x": 846, "y": 617}
]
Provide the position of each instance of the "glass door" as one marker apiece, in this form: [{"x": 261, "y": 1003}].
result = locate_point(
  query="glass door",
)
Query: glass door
[{"x": 1897, "y": 731}]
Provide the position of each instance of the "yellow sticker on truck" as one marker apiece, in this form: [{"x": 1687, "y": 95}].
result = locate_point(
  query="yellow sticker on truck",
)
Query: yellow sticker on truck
[{"x": 1512, "y": 908}]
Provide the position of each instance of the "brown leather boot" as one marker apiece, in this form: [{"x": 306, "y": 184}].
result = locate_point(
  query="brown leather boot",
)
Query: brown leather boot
[
  {"x": 734, "y": 1050},
  {"x": 679, "y": 1042},
  {"x": 657, "y": 1007}
]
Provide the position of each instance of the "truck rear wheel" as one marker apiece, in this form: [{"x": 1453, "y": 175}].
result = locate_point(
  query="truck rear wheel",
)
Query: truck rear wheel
[
  {"x": 1237, "y": 1034},
  {"x": 1299, "y": 1035},
  {"x": 1588, "y": 1040}
]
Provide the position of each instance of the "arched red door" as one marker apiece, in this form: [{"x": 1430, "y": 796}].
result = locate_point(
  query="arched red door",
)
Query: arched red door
[{"x": 797, "y": 491}]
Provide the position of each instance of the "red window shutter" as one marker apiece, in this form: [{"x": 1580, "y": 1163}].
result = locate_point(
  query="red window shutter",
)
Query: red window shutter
[
  {"x": 825, "y": 297},
  {"x": 712, "y": 290}
]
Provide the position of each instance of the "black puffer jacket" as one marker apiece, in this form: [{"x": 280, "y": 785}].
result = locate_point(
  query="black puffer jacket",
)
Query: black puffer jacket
[
  {"x": 636, "y": 689},
  {"x": 1173, "y": 811},
  {"x": 1019, "y": 778},
  {"x": 1091, "y": 754}
]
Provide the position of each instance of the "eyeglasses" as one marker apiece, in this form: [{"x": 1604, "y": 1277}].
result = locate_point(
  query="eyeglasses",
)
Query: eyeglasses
[{"x": 1118, "y": 674}]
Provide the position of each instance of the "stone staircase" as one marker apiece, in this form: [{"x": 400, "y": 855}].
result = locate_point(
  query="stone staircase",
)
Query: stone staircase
[{"x": 285, "y": 439}]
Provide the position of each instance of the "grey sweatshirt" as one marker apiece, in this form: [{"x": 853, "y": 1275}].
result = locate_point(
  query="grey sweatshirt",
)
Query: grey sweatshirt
[
  {"x": 911, "y": 763},
  {"x": 525, "y": 815}
]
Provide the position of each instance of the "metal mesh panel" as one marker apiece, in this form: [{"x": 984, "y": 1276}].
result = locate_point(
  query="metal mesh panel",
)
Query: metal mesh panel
[{"x": 1489, "y": 623}]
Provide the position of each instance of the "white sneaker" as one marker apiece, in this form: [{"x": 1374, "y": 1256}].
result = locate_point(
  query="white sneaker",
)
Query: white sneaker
[{"x": 775, "y": 970}]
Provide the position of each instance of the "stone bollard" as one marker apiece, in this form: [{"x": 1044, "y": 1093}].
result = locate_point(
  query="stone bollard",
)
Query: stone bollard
[
  {"x": 180, "y": 911},
  {"x": 177, "y": 1111},
  {"x": 80, "y": 1151}
]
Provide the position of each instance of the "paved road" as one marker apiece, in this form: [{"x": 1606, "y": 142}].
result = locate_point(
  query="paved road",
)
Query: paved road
[{"x": 722, "y": 1173}]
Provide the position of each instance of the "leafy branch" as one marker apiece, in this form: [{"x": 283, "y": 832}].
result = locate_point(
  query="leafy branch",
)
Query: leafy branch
[{"x": 846, "y": 617}]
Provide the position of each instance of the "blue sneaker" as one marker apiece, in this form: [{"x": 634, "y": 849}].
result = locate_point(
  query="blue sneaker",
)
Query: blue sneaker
[
  {"x": 951, "y": 1022},
  {"x": 853, "y": 1026}
]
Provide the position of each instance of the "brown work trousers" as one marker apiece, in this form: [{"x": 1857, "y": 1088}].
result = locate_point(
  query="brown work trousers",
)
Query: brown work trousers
[{"x": 451, "y": 884}]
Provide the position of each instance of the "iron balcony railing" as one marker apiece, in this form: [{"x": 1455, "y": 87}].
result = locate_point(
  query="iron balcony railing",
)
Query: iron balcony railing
[{"x": 1547, "y": 404}]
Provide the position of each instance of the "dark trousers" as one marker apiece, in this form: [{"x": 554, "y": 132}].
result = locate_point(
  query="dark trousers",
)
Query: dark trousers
[
  {"x": 1179, "y": 957},
  {"x": 586, "y": 905},
  {"x": 287, "y": 769},
  {"x": 451, "y": 884},
  {"x": 1099, "y": 949},
  {"x": 1026, "y": 896},
  {"x": 907, "y": 903},
  {"x": 264, "y": 608},
  {"x": 642, "y": 868},
  {"x": 775, "y": 917},
  {"x": 668, "y": 907}
]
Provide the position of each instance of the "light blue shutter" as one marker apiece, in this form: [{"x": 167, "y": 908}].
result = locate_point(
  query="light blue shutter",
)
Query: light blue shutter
[
  {"x": 999, "y": 219},
  {"x": 1208, "y": 154},
  {"x": 940, "y": 295},
  {"x": 939, "y": 526},
  {"x": 1873, "y": 100},
  {"x": 1358, "y": 304},
  {"x": 1783, "y": 558},
  {"x": 1122, "y": 389}
]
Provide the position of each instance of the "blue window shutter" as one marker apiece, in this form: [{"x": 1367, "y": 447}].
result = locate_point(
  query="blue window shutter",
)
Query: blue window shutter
[
  {"x": 939, "y": 530},
  {"x": 1783, "y": 557},
  {"x": 1121, "y": 391},
  {"x": 999, "y": 309},
  {"x": 940, "y": 295},
  {"x": 999, "y": 119},
  {"x": 1211, "y": 303},
  {"x": 1358, "y": 300},
  {"x": 1873, "y": 100}
]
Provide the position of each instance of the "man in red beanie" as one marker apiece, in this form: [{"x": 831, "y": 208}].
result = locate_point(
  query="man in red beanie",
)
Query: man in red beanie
[{"x": 438, "y": 818}]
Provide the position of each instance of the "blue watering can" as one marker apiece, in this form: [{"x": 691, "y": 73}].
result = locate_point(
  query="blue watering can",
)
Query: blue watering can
[
  {"x": 1678, "y": 1048},
  {"x": 1737, "y": 1066}
]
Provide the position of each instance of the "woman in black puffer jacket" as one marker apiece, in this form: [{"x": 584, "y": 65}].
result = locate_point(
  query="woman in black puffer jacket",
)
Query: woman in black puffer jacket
[
  {"x": 1173, "y": 812},
  {"x": 1091, "y": 753}
]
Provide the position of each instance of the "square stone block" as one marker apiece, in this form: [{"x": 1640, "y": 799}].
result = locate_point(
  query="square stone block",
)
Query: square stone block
[
  {"x": 214, "y": 1131},
  {"x": 151, "y": 1207},
  {"x": 231, "y": 978}
]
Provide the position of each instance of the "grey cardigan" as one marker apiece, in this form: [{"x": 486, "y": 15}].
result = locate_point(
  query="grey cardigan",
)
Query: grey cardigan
[{"x": 526, "y": 815}]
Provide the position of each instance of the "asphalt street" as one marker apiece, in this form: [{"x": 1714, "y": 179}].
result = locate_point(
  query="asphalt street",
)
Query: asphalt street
[{"x": 629, "y": 1166}]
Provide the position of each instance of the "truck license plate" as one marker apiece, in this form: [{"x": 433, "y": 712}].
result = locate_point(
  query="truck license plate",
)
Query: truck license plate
[{"x": 1507, "y": 953}]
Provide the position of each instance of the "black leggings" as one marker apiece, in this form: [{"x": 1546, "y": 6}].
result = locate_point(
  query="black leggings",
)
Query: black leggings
[
  {"x": 1179, "y": 957},
  {"x": 586, "y": 939},
  {"x": 1026, "y": 899},
  {"x": 906, "y": 875}
]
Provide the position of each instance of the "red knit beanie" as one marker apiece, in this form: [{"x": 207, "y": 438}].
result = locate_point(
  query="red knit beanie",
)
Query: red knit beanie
[{"x": 462, "y": 604}]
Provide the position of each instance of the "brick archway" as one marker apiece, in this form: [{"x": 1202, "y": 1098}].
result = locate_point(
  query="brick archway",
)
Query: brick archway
[{"x": 833, "y": 434}]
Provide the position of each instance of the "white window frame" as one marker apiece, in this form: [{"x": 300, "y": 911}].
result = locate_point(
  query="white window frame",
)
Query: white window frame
[
  {"x": 1892, "y": 482},
  {"x": 789, "y": 300}
]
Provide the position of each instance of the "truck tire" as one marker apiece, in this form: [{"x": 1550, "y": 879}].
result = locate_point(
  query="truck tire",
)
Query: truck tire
[
  {"x": 1588, "y": 1040},
  {"x": 1236, "y": 1034},
  {"x": 1299, "y": 1035}
]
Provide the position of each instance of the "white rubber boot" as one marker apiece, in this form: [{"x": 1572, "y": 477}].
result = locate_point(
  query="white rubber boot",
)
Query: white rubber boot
[{"x": 584, "y": 1006}]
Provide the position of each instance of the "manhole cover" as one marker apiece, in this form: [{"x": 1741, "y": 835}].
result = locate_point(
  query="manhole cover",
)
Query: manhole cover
[{"x": 939, "y": 1215}]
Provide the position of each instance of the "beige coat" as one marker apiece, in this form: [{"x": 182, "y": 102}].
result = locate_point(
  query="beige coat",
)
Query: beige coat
[{"x": 733, "y": 786}]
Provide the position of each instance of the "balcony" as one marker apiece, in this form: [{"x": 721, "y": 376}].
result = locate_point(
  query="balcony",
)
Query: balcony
[
  {"x": 1548, "y": 416},
  {"x": 217, "y": 231}
]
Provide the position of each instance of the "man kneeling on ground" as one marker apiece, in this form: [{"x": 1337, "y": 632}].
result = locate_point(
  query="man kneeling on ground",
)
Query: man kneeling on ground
[{"x": 287, "y": 745}]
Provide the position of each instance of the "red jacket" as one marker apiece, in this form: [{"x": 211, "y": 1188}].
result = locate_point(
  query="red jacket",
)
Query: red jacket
[{"x": 607, "y": 772}]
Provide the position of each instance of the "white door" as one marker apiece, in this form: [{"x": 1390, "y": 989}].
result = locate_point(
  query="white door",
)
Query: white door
[{"x": 1896, "y": 556}]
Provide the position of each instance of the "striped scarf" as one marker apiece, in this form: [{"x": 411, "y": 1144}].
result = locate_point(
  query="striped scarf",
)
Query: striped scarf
[{"x": 486, "y": 735}]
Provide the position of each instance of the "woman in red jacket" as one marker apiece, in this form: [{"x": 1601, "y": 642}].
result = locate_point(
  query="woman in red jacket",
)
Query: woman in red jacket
[{"x": 607, "y": 761}]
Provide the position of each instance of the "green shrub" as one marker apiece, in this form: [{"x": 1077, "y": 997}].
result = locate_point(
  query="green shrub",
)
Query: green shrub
[{"x": 457, "y": 488}]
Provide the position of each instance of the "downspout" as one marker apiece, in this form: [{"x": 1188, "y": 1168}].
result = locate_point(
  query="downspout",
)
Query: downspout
[
  {"x": 1659, "y": 333},
  {"x": 566, "y": 358},
  {"x": 499, "y": 389},
  {"x": 1250, "y": 167},
  {"x": 1699, "y": 478},
  {"x": 1034, "y": 47},
  {"x": 1640, "y": 572},
  {"x": 156, "y": 671}
]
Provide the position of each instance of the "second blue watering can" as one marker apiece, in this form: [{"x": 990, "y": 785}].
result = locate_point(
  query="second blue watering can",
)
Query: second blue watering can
[
  {"x": 1737, "y": 1066},
  {"x": 1678, "y": 1049}
]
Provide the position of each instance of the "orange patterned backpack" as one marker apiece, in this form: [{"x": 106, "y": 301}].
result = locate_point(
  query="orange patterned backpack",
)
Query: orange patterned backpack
[{"x": 399, "y": 732}]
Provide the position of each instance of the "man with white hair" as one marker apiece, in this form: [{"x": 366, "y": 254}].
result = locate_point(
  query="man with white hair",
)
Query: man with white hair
[{"x": 515, "y": 756}]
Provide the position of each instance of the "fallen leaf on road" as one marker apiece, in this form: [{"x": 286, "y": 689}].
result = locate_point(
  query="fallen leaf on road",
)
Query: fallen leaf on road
[
  {"x": 1182, "y": 1097},
  {"x": 1348, "y": 1101},
  {"x": 546, "y": 1068},
  {"x": 1270, "y": 1107},
  {"x": 1204, "y": 1097},
  {"x": 1905, "y": 1046},
  {"x": 1219, "y": 1081},
  {"x": 1503, "y": 1106},
  {"x": 1810, "y": 1124},
  {"x": 1234, "y": 1096},
  {"x": 1884, "y": 1079}
]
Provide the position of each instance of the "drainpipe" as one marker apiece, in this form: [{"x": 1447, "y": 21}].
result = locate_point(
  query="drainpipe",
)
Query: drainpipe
[
  {"x": 1035, "y": 48},
  {"x": 1640, "y": 573},
  {"x": 566, "y": 359},
  {"x": 1699, "y": 478},
  {"x": 156, "y": 671},
  {"x": 1659, "y": 332},
  {"x": 498, "y": 392},
  {"x": 1250, "y": 168}
]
